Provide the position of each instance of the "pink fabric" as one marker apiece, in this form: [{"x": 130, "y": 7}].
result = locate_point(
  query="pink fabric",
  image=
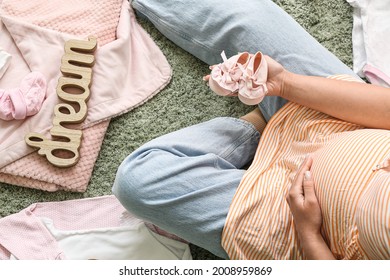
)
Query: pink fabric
[
  {"x": 121, "y": 79},
  {"x": 80, "y": 18},
  {"x": 24, "y": 235},
  {"x": 26, "y": 100},
  {"x": 34, "y": 171},
  {"x": 376, "y": 76}
]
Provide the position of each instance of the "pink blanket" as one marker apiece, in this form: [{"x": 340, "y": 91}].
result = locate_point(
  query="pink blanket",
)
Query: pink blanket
[
  {"x": 34, "y": 171},
  {"x": 79, "y": 18},
  {"x": 34, "y": 33}
]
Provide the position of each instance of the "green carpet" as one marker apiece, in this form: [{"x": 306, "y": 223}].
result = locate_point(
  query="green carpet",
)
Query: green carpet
[{"x": 185, "y": 101}]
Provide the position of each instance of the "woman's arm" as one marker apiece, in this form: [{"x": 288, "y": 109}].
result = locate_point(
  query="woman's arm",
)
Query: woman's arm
[
  {"x": 307, "y": 216},
  {"x": 360, "y": 103}
]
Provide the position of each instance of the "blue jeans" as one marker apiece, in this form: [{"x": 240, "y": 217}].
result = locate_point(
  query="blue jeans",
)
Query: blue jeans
[{"x": 184, "y": 181}]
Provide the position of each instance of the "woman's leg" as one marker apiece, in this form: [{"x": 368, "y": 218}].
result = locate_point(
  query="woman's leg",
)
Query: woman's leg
[
  {"x": 209, "y": 27},
  {"x": 184, "y": 181}
]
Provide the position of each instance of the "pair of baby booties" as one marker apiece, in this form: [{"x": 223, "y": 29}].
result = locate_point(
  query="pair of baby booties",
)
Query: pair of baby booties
[{"x": 243, "y": 75}]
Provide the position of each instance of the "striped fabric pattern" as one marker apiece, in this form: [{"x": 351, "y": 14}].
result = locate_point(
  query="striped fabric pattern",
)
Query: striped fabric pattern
[{"x": 354, "y": 195}]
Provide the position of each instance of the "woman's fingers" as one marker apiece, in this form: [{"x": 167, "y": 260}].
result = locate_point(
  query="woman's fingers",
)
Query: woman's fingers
[
  {"x": 296, "y": 188},
  {"x": 308, "y": 187}
]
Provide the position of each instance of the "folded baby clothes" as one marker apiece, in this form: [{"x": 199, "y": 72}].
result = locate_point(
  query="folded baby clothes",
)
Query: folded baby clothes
[
  {"x": 5, "y": 60},
  {"x": 90, "y": 228},
  {"x": 370, "y": 39}
]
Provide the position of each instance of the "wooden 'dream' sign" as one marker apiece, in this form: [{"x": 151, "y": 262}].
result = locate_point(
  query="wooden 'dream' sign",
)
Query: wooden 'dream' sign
[{"x": 74, "y": 88}]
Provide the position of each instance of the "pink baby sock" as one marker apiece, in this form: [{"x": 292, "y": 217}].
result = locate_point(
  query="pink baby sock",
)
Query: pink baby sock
[{"x": 19, "y": 103}]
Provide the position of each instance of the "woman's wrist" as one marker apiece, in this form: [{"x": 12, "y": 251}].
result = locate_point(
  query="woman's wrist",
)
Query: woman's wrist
[
  {"x": 310, "y": 237},
  {"x": 314, "y": 246},
  {"x": 286, "y": 83}
]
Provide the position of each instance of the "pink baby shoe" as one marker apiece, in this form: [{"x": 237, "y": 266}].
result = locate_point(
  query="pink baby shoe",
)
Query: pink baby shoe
[
  {"x": 252, "y": 85},
  {"x": 225, "y": 76},
  {"x": 19, "y": 103}
]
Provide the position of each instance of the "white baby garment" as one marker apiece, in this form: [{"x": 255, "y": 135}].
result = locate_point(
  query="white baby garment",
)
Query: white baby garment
[
  {"x": 371, "y": 40},
  {"x": 5, "y": 60}
]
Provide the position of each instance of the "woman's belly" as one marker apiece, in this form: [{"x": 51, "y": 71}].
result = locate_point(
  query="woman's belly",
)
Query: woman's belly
[{"x": 345, "y": 171}]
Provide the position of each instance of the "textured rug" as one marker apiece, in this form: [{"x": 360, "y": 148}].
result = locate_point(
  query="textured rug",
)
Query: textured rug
[{"x": 185, "y": 101}]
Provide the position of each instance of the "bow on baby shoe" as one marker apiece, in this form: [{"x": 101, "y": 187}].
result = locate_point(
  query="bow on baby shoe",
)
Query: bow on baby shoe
[
  {"x": 252, "y": 85},
  {"x": 225, "y": 76},
  {"x": 19, "y": 103}
]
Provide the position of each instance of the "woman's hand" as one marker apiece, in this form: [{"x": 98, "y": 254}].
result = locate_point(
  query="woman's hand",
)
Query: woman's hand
[
  {"x": 306, "y": 212},
  {"x": 303, "y": 202},
  {"x": 276, "y": 76}
]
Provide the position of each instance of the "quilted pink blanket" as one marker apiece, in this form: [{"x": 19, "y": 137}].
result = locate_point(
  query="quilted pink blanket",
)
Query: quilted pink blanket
[{"x": 79, "y": 18}]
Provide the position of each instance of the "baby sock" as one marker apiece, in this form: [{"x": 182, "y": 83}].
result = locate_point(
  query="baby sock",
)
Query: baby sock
[
  {"x": 18, "y": 103},
  {"x": 5, "y": 60}
]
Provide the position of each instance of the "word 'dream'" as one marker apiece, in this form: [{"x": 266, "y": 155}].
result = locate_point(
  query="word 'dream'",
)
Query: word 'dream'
[{"x": 74, "y": 89}]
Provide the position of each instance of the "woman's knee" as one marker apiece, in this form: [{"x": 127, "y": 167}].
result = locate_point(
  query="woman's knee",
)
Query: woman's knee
[{"x": 131, "y": 184}]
